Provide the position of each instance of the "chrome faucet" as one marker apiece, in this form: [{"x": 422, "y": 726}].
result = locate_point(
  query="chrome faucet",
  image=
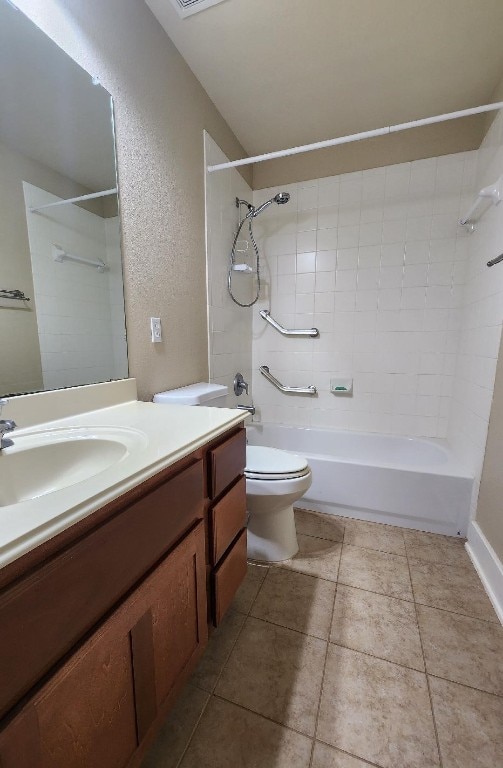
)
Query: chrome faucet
[
  {"x": 6, "y": 425},
  {"x": 249, "y": 408}
]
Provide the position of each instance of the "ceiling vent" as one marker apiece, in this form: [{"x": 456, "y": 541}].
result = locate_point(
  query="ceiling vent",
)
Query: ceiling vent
[{"x": 188, "y": 7}]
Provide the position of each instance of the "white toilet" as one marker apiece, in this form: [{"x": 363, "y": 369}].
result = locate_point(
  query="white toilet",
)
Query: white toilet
[{"x": 275, "y": 480}]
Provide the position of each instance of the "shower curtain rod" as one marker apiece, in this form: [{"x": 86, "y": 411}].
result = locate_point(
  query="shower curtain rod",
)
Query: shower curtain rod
[
  {"x": 358, "y": 136},
  {"x": 80, "y": 198}
]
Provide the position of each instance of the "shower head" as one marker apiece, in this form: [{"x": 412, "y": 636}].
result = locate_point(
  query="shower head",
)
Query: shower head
[{"x": 281, "y": 198}]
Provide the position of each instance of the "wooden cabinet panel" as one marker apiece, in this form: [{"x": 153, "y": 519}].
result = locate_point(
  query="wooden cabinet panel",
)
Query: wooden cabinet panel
[
  {"x": 226, "y": 462},
  {"x": 173, "y": 630},
  {"x": 99, "y": 706},
  {"x": 227, "y": 518},
  {"x": 46, "y": 613},
  {"x": 228, "y": 576},
  {"x": 20, "y": 743},
  {"x": 85, "y": 716},
  {"x": 179, "y": 613}
]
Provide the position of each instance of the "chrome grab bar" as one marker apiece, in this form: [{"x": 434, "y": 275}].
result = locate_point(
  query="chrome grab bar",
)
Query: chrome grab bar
[
  {"x": 495, "y": 261},
  {"x": 306, "y": 332},
  {"x": 311, "y": 390}
]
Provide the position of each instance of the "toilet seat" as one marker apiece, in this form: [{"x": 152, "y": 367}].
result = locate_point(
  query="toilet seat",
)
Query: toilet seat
[{"x": 264, "y": 463}]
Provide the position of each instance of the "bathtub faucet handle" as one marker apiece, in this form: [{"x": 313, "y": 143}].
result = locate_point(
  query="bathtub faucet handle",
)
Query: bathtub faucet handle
[{"x": 240, "y": 385}]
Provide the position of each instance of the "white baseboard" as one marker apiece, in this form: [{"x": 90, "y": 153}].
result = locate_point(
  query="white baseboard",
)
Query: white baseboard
[{"x": 488, "y": 566}]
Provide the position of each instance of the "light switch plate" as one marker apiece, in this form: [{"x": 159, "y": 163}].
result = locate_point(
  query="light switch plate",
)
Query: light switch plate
[{"x": 155, "y": 329}]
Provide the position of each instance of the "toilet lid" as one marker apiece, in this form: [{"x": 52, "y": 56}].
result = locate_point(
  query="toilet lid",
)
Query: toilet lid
[{"x": 272, "y": 464}]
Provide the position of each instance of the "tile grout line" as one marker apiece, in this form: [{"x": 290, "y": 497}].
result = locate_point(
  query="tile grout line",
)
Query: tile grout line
[
  {"x": 194, "y": 729},
  {"x": 212, "y": 692},
  {"x": 349, "y": 754},
  {"x": 313, "y": 745},
  {"x": 465, "y": 685},
  {"x": 424, "y": 661},
  {"x": 384, "y": 594},
  {"x": 262, "y": 716}
]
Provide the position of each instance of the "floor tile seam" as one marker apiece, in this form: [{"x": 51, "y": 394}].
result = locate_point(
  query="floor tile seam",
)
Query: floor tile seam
[
  {"x": 498, "y": 626},
  {"x": 379, "y": 658},
  {"x": 228, "y": 656},
  {"x": 193, "y": 731},
  {"x": 345, "y": 584},
  {"x": 258, "y": 592},
  {"x": 323, "y": 678},
  {"x": 373, "y": 592},
  {"x": 371, "y": 522},
  {"x": 322, "y": 578},
  {"x": 289, "y": 569},
  {"x": 323, "y": 538},
  {"x": 379, "y": 594},
  {"x": 258, "y": 564},
  {"x": 264, "y": 717},
  {"x": 457, "y": 613},
  {"x": 428, "y": 688},
  {"x": 465, "y": 685},
  {"x": 419, "y": 561},
  {"x": 291, "y": 629},
  {"x": 372, "y": 549},
  {"x": 349, "y": 754}
]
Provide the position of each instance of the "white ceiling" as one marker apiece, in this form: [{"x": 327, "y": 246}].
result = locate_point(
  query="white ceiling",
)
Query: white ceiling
[
  {"x": 50, "y": 110},
  {"x": 288, "y": 72}
]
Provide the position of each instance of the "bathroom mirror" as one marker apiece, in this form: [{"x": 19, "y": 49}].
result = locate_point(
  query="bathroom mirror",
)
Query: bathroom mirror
[{"x": 61, "y": 289}]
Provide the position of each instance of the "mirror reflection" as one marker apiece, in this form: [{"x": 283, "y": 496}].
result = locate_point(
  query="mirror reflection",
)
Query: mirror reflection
[{"x": 61, "y": 288}]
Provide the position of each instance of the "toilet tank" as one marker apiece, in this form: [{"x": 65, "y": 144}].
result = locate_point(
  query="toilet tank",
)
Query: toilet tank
[{"x": 214, "y": 395}]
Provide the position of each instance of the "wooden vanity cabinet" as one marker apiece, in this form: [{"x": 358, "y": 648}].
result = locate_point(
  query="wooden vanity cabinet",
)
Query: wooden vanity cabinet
[
  {"x": 85, "y": 690},
  {"x": 97, "y": 708}
]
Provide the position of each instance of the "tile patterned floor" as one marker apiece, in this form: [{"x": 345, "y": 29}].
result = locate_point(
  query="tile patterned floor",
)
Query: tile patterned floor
[{"x": 374, "y": 646}]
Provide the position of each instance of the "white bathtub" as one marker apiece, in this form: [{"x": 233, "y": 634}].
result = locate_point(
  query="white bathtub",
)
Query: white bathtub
[{"x": 412, "y": 482}]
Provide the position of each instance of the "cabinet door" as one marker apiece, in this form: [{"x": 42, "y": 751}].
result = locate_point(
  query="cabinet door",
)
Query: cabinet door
[
  {"x": 85, "y": 716},
  {"x": 95, "y": 711},
  {"x": 172, "y": 634}
]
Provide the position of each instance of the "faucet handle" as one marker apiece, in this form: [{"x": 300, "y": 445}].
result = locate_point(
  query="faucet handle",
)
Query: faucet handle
[
  {"x": 240, "y": 385},
  {"x": 7, "y": 425}
]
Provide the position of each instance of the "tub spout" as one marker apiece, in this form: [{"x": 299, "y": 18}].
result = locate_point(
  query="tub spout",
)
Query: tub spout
[{"x": 249, "y": 408}]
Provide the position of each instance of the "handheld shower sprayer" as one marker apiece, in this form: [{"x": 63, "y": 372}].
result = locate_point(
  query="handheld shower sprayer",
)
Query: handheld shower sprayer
[{"x": 280, "y": 199}]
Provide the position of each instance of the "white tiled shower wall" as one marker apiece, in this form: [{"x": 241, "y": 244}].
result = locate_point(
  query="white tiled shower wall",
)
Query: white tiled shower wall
[
  {"x": 80, "y": 311},
  {"x": 481, "y": 316},
  {"x": 376, "y": 260},
  {"x": 229, "y": 326}
]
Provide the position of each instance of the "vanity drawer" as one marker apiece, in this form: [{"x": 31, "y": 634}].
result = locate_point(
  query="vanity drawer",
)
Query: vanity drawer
[
  {"x": 226, "y": 462},
  {"x": 227, "y": 517},
  {"x": 45, "y": 613},
  {"x": 228, "y": 576}
]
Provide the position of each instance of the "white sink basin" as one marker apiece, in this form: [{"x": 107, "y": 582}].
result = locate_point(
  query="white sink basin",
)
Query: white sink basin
[{"x": 44, "y": 462}]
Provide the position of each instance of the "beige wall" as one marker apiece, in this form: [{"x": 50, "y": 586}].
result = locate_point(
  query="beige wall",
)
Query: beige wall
[
  {"x": 490, "y": 506},
  {"x": 415, "y": 144},
  {"x": 19, "y": 348},
  {"x": 160, "y": 111},
  {"x": 430, "y": 141}
]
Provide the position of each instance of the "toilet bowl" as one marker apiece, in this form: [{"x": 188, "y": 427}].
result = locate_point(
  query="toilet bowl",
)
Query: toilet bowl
[{"x": 275, "y": 480}]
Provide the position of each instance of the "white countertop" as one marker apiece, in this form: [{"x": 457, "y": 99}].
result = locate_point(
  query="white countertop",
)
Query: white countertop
[{"x": 169, "y": 432}]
